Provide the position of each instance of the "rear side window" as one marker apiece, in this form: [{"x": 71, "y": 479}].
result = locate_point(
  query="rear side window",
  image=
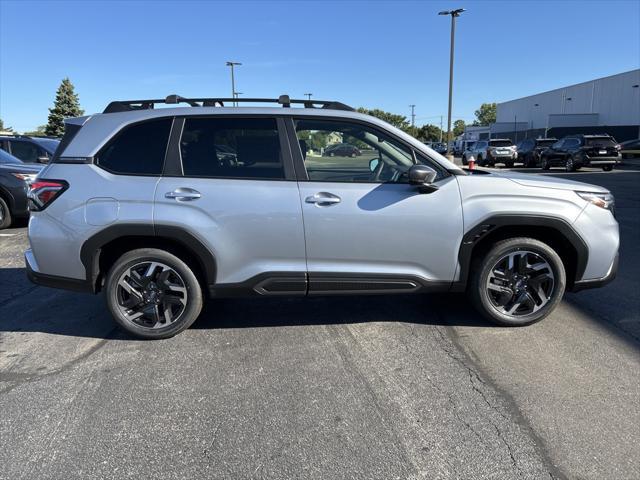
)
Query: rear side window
[
  {"x": 231, "y": 148},
  {"x": 25, "y": 151},
  {"x": 138, "y": 149}
]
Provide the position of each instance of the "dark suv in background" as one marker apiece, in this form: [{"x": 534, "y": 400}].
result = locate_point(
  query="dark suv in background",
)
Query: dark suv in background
[
  {"x": 30, "y": 149},
  {"x": 529, "y": 150},
  {"x": 577, "y": 151}
]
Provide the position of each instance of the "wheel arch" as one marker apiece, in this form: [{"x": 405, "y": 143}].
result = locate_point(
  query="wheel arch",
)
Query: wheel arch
[
  {"x": 554, "y": 231},
  {"x": 101, "y": 250}
]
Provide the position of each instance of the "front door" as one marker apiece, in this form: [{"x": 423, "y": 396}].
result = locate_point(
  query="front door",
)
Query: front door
[{"x": 366, "y": 228}]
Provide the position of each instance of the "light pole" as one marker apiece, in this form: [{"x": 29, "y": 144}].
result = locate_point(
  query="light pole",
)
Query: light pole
[
  {"x": 454, "y": 14},
  {"x": 413, "y": 115},
  {"x": 308, "y": 95},
  {"x": 233, "y": 81}
]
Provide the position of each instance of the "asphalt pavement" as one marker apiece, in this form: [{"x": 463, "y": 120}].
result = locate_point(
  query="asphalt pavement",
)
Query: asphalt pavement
[{"x": 345, "y": 387}]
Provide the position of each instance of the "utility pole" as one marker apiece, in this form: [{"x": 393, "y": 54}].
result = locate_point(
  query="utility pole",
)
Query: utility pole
[
  {"x": 440, "y": 128},
  {"x": 454, "y": 14},
  {"x": 413, "y": 115},
  {"x": 308, "y": 95},
  {"x": 233, "y": 81}
]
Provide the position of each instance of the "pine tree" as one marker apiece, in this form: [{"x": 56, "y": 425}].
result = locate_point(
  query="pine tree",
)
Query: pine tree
[{"x": 66, "y": 105}]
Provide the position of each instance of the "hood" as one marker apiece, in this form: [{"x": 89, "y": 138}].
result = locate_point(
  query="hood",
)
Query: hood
[
  {"x": 21, "y": 167},
  {"x": 547, "y": 181}
]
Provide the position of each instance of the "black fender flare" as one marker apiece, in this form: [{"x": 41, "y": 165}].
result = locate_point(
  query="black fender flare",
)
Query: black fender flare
[
  {"x": 493, "y": 223},
  {"x": 91, "y": 249}
]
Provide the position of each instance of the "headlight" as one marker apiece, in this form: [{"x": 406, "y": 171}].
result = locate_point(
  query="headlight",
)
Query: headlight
[
  {"x": 27, "y": 177},
  {"x": 602, "y": 200}
]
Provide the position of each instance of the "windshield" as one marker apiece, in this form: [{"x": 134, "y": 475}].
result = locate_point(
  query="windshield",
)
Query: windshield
[
  {"x": 49, "y": 144},
  {"x": 500, "y": 143},
  {"x": 7, "y": 159},
  {"x": 599, "y": 142},
  {"x": 546, "y": 143}
]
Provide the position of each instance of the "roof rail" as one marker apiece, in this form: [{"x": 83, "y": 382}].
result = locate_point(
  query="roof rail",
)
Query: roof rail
[{"x": 284, "y": 100}]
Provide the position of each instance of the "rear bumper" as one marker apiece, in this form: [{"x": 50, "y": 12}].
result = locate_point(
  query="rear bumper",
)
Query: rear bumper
[
  {"x": 600, "y": 160},
  {"x": 598, "y": 282},
  {"x": 54, "y": 281}
]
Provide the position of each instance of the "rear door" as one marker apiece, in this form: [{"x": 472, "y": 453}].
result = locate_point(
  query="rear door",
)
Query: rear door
[
  {"x": 229, "y": 182},
  {"x": 366, "y": 228}
]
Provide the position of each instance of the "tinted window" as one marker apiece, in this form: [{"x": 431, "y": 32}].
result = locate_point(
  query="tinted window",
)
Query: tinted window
[
  {"x": 501, "y": 143},
  {"x": 25, "y": 151},
  {"x": 545, "y": 143},
  {"x": 138, "y": 149},
  {"x": 337, "y": 151},
  {"x": 600, "y": 142},
  {"x": 571, "y": 142},
  {"x": 231, "y": 148}
]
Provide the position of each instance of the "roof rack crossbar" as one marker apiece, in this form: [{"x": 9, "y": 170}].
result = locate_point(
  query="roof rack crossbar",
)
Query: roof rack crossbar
[{"x": 284, "y": 100}]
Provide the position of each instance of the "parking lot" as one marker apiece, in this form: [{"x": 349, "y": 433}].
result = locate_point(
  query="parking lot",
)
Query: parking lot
[{"x": 341, "y": 387}]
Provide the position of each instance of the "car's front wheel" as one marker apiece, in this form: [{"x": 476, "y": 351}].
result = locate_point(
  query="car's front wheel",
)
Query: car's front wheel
[
  {"x": 544, "y": 163},
  {"x": 518, "y": 282},
  {"x": 607, "y": 168},
  {"x": 152, "y": 293}
]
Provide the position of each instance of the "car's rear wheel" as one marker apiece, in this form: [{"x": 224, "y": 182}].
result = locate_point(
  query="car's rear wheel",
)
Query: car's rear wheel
[
  {"x": 508, "y": 164},
  {"x": 544, "y": 163},
  {"x": 152, "y": 293},
  {"x": 5, "y": 214},
  {"x": 607, "y": 168},
  {"x": 570, "y": 165},
  {"x": 518, "y": 282}
]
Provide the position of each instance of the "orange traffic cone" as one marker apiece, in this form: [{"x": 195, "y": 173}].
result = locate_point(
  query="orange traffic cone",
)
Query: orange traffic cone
[{"x": 472, "y": 163}]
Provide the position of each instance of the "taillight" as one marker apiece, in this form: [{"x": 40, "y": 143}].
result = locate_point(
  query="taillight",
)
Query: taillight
[{"x": 43, "y": 192}]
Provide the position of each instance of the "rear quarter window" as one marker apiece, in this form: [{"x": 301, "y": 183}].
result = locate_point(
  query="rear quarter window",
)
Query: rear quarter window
[{"x": 137, "y": 149}]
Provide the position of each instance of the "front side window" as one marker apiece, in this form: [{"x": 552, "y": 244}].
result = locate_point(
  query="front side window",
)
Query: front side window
[
  {"x": 25, "y": 151},
  {"x": 340, "y": 151},
  {"x": 231, "y": 148},
  {"x": 138, "y": 149}
]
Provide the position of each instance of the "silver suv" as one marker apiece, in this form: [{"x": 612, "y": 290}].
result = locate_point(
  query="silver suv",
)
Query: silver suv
[
  {"x": 490, "y": 152},
  {"x": 160, "y": 208}
]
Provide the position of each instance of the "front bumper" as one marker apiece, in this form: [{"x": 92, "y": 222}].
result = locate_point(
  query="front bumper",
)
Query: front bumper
[{"x": 598, "y": 282}]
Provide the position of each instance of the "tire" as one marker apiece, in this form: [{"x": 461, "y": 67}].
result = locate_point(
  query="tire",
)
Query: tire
[
  {"x": 479, "y": 161},
  {"x": 607, "y": 168},
  {"x": 570, "y": 164},
  {"x": 544, "y": 163},
  {"x": 179, "y": 289},
  {"x": 508, "y": 164},
  {"x": 494, "y": 303},
  {"x": 331, "y": 154},
  {"x": 5, "y": 214},
  {"x": 526, "y": 163}
]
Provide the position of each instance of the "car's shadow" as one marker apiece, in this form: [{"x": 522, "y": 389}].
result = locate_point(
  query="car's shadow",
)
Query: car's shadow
[{"x": 39, "y": 309}]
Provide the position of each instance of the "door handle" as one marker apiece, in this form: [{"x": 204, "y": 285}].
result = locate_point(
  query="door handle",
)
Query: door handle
[
  {"x": 183, "y": 193},
  {"x": 323, "y": 199}
]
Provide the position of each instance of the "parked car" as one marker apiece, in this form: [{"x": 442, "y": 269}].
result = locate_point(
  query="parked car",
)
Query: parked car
[
  {"x": 341, "y": 150},
  {"x": 496, "y": 150},
  {"x": 468, "y": 151},
  {"x": 630, "y": 148},
  {"x": 29, "y": 149},
  {"x": 529, "y": 150},
  {"x": 576, "y": 151},
  {"x": 14, "y": 179},
  {"x": 137, "y": 206},
  {"x": 440, "y": 147}
]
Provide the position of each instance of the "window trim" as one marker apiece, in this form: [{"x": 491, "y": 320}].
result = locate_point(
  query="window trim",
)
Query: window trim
[
  {"x": 301, "y": 170},
  {"x": 173, "y": 159},
  {"x": 96, "y": 158}
]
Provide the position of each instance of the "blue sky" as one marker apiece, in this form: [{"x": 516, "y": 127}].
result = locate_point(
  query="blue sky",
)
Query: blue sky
[{"x": 377, "y": 54}]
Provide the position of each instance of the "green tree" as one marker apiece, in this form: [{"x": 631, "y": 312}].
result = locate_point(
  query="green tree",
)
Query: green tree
[
  {"x": 458, "y": 127},
  {"x": 486, "y": 114},
  {"x": 38, "y": 132},
  {"x": 3, "y": 128},
  {"x": 399, "y": 121},
  {"x": 430, "y": 133},
  {"x": 65, "y": 105}
]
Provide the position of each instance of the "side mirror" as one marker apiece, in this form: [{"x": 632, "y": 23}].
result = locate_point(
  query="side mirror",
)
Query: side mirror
[
  {"x": 373, "y": 164},
  {"x": 423, "y": 177},
  {"x": 43, "y": 159}
]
